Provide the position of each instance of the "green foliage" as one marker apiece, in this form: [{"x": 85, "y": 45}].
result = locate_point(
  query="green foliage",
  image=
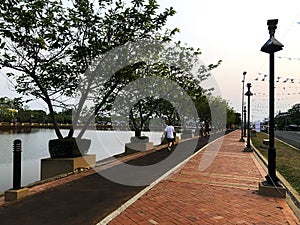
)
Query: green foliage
[
  {"x": 9, "y": 108},
  {"x": 218, "y": 107},
  {"x": 48, "y": 45},
  {"x": 291, "y": 117},
  {"x": 295, "y": 114},
  {"x": 52, "y": 47},
  {"x": 232, "y": 118},
  {"x": 180, "y": 65}
]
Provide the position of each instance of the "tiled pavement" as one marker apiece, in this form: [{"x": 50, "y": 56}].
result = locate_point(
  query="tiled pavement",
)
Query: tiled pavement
[{"x": 216, "y": 186}]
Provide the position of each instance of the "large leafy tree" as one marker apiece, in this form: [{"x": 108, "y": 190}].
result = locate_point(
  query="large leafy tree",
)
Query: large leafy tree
[
  {"x": 295, "y": 114},
  {"x": 46, "y": 45},
  {"x": 181, "y": 66}
]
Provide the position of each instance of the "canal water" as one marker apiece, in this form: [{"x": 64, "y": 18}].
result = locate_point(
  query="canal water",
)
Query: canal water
[{"x": 35, "y": 147}]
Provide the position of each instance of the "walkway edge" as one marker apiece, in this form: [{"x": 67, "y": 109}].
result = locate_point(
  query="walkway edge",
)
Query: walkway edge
[
  {"x": 293, "y": 198},
  {"x": 123, "y": 207},
  {"x": 287, "y": 144}
]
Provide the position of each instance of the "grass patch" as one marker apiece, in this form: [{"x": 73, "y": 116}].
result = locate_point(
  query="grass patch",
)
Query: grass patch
[{"x": 287, "y": 159}]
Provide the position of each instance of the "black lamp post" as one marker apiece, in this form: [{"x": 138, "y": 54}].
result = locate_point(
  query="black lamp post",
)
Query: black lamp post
[
  {"x": 248, "y": 94},
  {"x": 242, "y": 121},
  {"x": 245, "y": 121},
  {"x": 270, "y": 47}
]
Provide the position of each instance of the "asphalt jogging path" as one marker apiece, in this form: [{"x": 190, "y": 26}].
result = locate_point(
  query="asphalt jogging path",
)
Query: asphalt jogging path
[{"x": 223, "y": 192}]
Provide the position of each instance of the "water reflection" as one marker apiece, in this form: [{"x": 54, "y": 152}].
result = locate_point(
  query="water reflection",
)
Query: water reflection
[
  {"x": 35, "y": 147},
  {"x": 16, "y": 130}
]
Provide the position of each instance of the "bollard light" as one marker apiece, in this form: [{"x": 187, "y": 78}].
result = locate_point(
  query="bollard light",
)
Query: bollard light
[
  {"x": 17, "y": 164},
  {"x": 16, "y": 192},
  {"x": 270, "y": 47}
]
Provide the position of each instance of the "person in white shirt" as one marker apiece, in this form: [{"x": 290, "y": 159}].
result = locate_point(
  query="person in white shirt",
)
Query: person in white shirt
[{"x": 170, "y": 134}]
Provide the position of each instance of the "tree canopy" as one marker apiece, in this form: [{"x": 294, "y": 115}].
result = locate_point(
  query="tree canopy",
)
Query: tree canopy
[
  {"x": 48, "y": 45},
  {"x": 295, "y": 114},
  {"x": 59, "y": 51}
]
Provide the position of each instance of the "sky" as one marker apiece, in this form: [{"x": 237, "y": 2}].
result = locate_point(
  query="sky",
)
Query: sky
[{"x": 234, "y": 31}]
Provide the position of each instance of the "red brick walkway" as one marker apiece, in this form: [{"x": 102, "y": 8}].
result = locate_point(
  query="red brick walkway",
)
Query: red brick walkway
[{"x": 223, "y": 192}]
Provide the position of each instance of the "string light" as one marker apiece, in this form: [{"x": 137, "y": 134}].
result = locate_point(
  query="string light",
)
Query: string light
[{"x": 279, "y": 78}]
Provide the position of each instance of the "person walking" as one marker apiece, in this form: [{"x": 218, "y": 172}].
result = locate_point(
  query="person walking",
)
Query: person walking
[{"x": 170, "y": 134}]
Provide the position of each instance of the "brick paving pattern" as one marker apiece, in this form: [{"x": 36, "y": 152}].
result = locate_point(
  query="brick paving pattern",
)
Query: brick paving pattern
[{"x": 221, "y": 192}]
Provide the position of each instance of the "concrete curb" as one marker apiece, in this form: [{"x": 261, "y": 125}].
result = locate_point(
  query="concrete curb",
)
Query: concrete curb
[{"x": 288, "y": 144}]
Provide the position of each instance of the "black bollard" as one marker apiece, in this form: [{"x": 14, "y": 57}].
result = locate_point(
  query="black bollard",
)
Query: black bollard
[{"x": 17, "y": 164}]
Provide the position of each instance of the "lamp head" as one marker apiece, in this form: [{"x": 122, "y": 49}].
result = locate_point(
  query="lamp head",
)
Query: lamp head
[
  {"x": 272, "y": 45},
  {"x": 272, "y": 26},
  {"x": 272, "y": 22}
]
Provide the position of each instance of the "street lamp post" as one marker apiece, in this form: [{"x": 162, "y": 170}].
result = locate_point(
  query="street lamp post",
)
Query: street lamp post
[
  {"x": 270, "y": 47},
  {"x": 248, "y": 94},
  {"x": 242, "y": 122},
  {"x": 245, "y": 121}
]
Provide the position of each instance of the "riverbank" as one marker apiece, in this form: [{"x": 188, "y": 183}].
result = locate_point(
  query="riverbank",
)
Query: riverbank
[
  {"x": 28, "y": 125},
  {"x": 35, "y": 147},
  {"x": 43, "y": 185}
]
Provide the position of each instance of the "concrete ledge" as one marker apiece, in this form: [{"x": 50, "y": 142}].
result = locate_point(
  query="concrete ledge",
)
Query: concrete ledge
[
  {"x": 139, "y": 140},
  {"x": 12, "y": 195},
  {"x": 272, "y": 191},
  {"x": 138, "y": 146},
  {"x": 52, "y": 167}
]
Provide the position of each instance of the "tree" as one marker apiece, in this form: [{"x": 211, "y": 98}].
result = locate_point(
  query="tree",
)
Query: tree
[
  {"x": 231, "y": 117},
  {"x": 218, "y": 109},
  {"x": 282, "y": 120},
  {"x": 181, "y": 66},
  {"x": 294, "y": 113},
  {"x": 48, "y": 45},
  {"x": 9, "y": 108}
]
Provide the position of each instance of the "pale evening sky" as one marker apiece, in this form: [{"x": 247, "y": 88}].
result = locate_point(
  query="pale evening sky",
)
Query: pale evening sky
[{"x": 234, "y": 31}]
